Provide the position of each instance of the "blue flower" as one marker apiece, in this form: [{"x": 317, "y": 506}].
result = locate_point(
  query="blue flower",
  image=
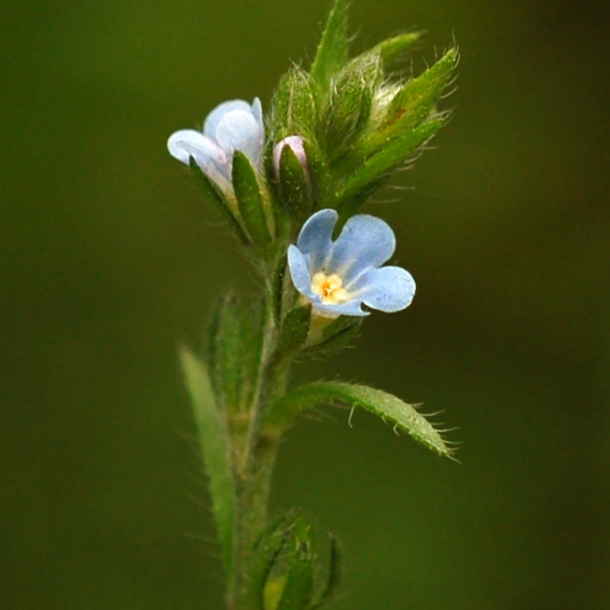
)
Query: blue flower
[
  {"x": 338, "y": 277},
  {"x": 234, "y": 125}
]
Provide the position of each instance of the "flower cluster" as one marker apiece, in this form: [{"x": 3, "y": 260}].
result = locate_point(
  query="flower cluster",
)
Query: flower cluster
[{"x": 335, "y": 277}]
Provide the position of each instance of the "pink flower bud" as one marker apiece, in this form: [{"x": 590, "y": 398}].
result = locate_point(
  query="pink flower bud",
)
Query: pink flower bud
[{"x": 296, "y": 144}]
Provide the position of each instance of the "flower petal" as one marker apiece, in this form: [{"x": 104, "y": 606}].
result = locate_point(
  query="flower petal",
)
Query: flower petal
[
  {"x": 239, "y": 130},
  {"x": 388, "y": 289},
  {"x": 257, "y": 111},
  {"x": 188, "y": 143},
  {"x": 209, "y": 156},
  {"x": 212, "y": 120},
  {"x": 351, "y": 308},
  {"x": 365, "y": 241},
  {"x": 315, "y": 237},
  {"x": 298, "y": 266}
]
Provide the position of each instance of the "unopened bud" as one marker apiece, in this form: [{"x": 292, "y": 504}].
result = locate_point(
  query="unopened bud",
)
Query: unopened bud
[{"x": 296, "y": 145}]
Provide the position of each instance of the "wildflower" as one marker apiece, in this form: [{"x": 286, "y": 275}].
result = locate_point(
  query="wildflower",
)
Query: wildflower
[
  {"x": 296, "y": 144},
  {"x": 233, "y": 125},
  {"x": 338, "y": 277}
]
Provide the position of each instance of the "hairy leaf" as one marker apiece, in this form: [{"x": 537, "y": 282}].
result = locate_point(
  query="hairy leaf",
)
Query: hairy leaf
[
  {"x": 390, "y": 408},
  {"x": 331, "y": 55},
  {"x": 215, "y": 448}
]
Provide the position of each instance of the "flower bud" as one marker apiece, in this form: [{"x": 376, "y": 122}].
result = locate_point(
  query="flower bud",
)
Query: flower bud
[{"x": 296, "y": 145}]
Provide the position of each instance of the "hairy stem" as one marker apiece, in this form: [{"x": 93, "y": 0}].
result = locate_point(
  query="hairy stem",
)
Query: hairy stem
[{"x": 254, "y": 466}]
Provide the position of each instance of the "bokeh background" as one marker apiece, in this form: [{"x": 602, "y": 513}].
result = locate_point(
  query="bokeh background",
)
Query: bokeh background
[{"x": 108, "y": 256}]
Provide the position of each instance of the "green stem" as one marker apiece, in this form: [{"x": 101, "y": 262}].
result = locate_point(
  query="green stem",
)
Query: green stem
[{"x": 254, "y": 466}]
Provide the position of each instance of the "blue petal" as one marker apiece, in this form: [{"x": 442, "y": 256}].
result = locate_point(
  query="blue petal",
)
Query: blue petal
[
  {"x": 365, "y": 241},
  {"x": 315, "y": 237},
  {"x": 188, "y": 143},
  {"x": 257, "y": 111},
  {"x": 388, "y": 289},
  {"x": 351, "y": 308},
  {"x": 212, "y": 120},
  {"x": 299, "y": 272}
]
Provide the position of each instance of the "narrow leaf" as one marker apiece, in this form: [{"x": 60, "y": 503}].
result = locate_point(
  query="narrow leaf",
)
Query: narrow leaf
[
  {"x": 213, "y": 194},
  {"x": 332, "y": 51},
  {"x": 390, "y": 408},
  {"x": 252, "y": 337},
  {"x": 250, "y": 200},
  {"x": 216, "y": 450},
  {"x": 413, "y": 103}
]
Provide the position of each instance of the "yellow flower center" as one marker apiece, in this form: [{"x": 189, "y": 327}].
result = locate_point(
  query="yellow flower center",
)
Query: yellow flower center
[{"x": 330, "y": 288}]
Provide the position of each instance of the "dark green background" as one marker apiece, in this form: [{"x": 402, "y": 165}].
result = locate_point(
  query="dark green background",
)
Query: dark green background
[{"x": 109, "y": 257}]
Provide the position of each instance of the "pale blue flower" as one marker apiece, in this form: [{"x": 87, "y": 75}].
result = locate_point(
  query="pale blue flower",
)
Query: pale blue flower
[
  {"x": 234, "y": 125},
  {"x": 338, "y": 277}
]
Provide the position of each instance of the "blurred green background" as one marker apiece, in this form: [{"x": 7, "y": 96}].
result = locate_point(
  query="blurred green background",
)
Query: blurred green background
[{"x": 109, "y": 256}]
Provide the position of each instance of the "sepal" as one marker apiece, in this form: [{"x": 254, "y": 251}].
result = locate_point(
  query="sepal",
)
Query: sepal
[
  {"x": 294, "y": 330},
  {"x": 349, "y": 103},
  {"x": 391, "y": 49},
  {"x": 414, "y": 102},
  {"x": 295, "y": 106},
  {"x": 327, "y": 335},
  {"x": 295, "y": 185},
  {"x": 253, "y": 206},
  {"x": 226, "y": 207}
]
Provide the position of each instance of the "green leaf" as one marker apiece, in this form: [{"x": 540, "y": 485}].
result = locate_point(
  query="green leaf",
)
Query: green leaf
[
  {"x": 225, "y": 351},
  {"x": 217, "y": 198},
  {"x": 365, "y": 178},
  {"x": 216, "y": 451},
  {"x": 348, "y": 106},
  {"x": 250, "y": 200},
  {"x": 332, "y": 51},
  {"x": 391, "y": 48},
  {"x": 295, "y": 107},
  {"x": 390, "y": 408},
  {"x": 414, "y": 102},
  {"x": 252, "y": 338}
]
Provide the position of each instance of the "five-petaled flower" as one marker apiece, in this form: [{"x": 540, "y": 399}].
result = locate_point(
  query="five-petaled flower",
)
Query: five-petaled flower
[
  {"x": 234, "y": 125},
  {"x": 338, "y": 277}
]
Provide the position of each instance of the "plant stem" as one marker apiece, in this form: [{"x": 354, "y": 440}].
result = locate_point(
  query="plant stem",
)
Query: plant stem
[{"x": 254, "y": 466}]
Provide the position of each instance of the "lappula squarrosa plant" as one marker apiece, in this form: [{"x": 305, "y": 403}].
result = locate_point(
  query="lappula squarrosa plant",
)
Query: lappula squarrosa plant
[{"x": 291, "y": 183}]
